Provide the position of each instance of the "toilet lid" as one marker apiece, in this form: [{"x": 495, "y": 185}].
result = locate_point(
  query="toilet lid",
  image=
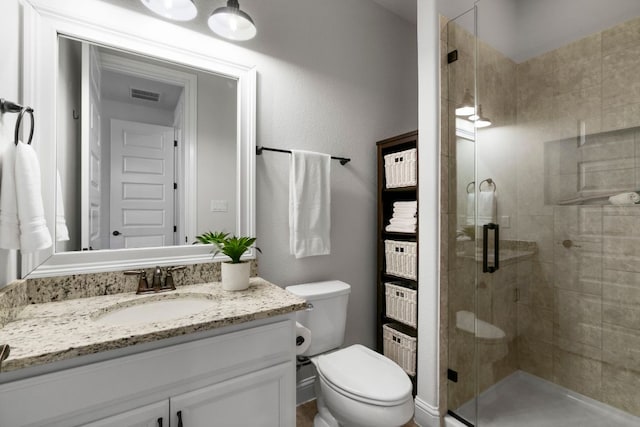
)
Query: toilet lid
[{"x": 365, "y": 375}]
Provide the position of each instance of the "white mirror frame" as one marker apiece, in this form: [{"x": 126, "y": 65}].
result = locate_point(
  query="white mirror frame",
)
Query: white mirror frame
[{"x": 92, "y": 20}]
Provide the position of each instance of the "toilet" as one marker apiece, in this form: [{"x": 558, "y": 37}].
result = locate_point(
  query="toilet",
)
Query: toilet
[{"x": 355, "y": 386}]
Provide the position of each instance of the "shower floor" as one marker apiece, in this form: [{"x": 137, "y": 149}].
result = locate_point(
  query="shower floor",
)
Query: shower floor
[{"x": 524, "y": 400}]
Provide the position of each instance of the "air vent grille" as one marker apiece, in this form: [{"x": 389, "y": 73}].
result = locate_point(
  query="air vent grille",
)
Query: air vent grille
[{"x": 145, "y": 95}]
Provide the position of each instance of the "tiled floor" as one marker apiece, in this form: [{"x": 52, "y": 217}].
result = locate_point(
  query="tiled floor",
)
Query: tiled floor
[
  {"x": 306, "y": 412},
  {"x": 524, "y": 400}
]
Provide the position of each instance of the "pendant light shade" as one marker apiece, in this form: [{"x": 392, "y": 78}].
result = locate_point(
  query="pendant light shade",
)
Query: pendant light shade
[
  {"x": 479, "y": 120},
  {"x": 178, "y": 10},
  {"x": 467, "y": 107},
  {"x": 232, "y": 23}
]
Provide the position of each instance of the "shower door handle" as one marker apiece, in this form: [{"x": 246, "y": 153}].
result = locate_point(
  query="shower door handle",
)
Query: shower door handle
[{"x": 485, "y": 248}]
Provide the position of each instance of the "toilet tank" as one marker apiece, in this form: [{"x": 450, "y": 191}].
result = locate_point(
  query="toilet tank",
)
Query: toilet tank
[{"x": 328, "y": 317}]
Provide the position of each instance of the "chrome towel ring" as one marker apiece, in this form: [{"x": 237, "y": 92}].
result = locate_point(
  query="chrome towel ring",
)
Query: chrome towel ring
[{"x": 489, "y": 181}]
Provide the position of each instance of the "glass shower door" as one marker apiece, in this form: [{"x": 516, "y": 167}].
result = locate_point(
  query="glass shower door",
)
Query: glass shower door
[{"x": 463, "y": 269}]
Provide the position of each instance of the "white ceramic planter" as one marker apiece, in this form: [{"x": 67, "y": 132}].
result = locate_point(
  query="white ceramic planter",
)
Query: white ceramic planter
[{"x": 235, "y": 277}]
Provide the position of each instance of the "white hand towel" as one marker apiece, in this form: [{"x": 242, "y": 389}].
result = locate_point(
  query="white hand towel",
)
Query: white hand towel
[
  {"x": 62, "y": 232},
  {"x": 487, "y": 207},
  {"x": 34, "y": 234},
  {"x": 630, "y": 198},
  {"x": 309, "y": 204},
  {"x": 9, "y": 225}
]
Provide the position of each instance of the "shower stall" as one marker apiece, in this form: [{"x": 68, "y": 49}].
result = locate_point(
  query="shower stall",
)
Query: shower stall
[{"x": 541, "y": 269}]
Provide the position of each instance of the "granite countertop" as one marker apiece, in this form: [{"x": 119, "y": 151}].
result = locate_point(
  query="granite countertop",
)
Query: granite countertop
[{"x": 55, "y": 331}]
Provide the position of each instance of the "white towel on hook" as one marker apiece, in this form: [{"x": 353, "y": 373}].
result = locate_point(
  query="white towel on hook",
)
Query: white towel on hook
[
  {"x": 9, "y": 225},
  {"x": 487, "y": 207},
  {"x": 34, "y": 234},
  {"x": 62, "y": 232},
  {"x": 309, "y": 204}
]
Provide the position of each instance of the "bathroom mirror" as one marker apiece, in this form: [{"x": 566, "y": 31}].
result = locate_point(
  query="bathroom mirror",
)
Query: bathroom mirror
[{"x": 123, "y": 91}]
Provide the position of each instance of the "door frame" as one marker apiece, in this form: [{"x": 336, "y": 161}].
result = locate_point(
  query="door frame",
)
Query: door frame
[{"x": 187, "y": 145}]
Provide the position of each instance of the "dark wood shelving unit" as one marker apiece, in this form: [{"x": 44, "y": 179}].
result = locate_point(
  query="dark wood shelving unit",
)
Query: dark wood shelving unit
[{"x": 386, "y": 198}]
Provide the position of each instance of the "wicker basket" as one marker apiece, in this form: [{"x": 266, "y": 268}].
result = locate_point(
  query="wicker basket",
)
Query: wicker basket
[
  {"x": 399, "y": 347},
  {"x": 401, "y": 304},
  {"x": 400, "y": 169},
  {"x": 401, "y": 259}
]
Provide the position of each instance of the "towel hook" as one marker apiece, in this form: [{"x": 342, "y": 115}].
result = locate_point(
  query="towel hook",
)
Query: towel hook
[
  {"x": 489, "y": 181},
  {"x": 19, "y": 121}
]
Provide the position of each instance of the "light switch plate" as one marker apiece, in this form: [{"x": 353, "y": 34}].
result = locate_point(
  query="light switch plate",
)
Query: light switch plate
[{"x": 219, "y": 206}]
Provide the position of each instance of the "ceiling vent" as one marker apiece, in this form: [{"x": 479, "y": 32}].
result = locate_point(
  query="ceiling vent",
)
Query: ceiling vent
[{"x": 145, "y": 95}]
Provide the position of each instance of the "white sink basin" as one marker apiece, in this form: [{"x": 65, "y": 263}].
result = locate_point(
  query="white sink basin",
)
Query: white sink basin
[{"x": 155, "y": 311}]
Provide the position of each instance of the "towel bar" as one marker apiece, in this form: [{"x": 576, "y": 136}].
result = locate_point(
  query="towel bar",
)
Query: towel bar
[{"x": 343, "y": 160}]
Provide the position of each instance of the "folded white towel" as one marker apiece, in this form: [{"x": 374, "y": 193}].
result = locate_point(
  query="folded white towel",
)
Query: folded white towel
[
  {"x": 309, "y": 204},
  {"x": 34, "y": 234},
  {"x": 406, "y": 204},
  {"x": 630, "y": 198},
  {"x": 62, "y": 232},
  {"x": 401, "y": 228},
  {"x": 408, "y": 209},
  {"x": 487, "y": 207},
  {"x": 403, "y": 221},
  {"x": 9, "y": 225}
]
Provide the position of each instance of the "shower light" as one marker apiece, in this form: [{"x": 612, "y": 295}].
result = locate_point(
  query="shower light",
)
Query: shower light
[
  {"x": 467, "y": 107},
  {"x": 178, "y": 10},
  {"x": 479, "y": 120},
  {"x": 232, "y": 23}
]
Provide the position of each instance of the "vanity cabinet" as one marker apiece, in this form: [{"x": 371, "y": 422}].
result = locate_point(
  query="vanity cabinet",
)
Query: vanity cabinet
[
  {"x": 397, "y": 268},
  {"x": 154, "y": 415},
  {"x": 245, "y": 377}
]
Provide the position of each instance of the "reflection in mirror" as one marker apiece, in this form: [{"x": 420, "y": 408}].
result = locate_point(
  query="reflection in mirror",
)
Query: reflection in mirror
[{"x": 138, "y": 166}]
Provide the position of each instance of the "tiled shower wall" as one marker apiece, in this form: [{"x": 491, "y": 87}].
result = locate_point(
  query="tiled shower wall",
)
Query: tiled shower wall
[
  {"x": 577, "y": 318},
  {"x": 579, "y": 321}
]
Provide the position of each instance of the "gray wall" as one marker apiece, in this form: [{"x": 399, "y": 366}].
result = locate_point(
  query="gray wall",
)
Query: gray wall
[{"x": 334, "y": 83}]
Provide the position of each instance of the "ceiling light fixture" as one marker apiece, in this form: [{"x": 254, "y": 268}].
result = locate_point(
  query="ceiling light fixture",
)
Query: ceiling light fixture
[
  {"x": 468, "y": 106},
  {"x": 479, "y": 121},
  {"x": 177, "y": 10},
  {"x": 232, "y": 23}
]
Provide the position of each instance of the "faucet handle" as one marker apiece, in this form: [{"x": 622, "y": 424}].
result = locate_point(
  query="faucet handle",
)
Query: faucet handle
[
  {"x": 143, "y": 285},
  {"x": 168, "y": 282}
]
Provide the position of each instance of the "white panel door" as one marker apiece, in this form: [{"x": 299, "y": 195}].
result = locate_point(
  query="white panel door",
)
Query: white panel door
[
  {"x": 260, "y": 399},
  {"x": 91, "y": 187},
  {"x": 142, "y": 185},
  {"x": 154, "y": 415}
]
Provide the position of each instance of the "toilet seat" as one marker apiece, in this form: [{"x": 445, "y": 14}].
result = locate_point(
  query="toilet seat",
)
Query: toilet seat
[{"x": 365, "y": 376}]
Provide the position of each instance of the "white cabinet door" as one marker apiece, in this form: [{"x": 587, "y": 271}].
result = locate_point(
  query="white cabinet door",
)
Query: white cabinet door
[
  {"x": 263, "y": 398},
  {"x": 154, "y": 415}
]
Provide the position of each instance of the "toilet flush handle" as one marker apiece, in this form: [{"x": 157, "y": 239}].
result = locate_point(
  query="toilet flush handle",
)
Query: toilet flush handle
[{"x": 309, "y": 307}]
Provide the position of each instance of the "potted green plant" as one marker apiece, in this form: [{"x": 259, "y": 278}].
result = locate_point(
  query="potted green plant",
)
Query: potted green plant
[{"x": 235, "y": 273}]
